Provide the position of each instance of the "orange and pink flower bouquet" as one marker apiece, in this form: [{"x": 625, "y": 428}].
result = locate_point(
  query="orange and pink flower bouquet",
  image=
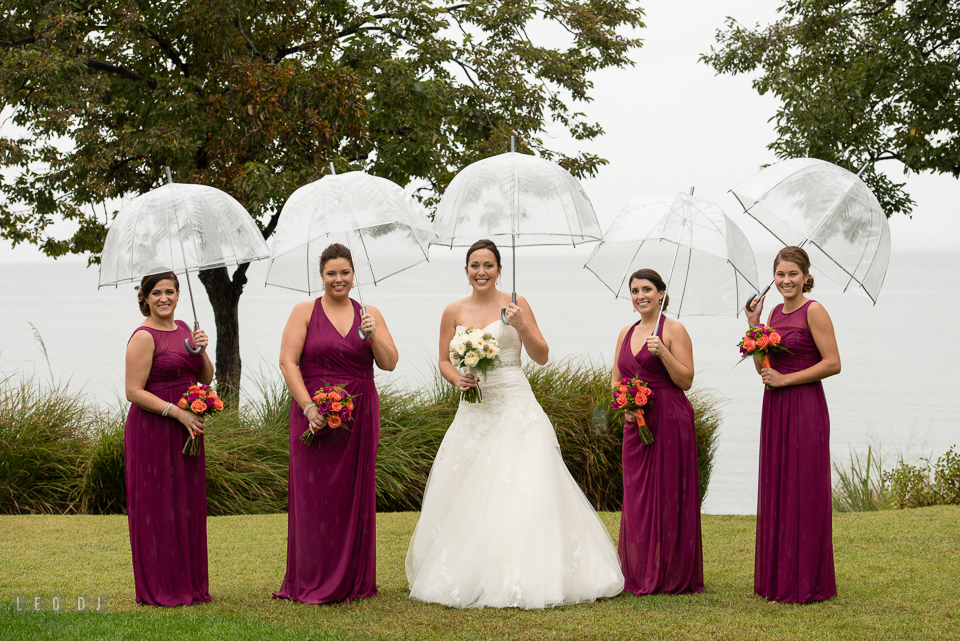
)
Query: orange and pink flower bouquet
[
  {"x": 201, "y": 400},
  {"x": 334, "y": 404},
  {"x": 634, "y": 394}
]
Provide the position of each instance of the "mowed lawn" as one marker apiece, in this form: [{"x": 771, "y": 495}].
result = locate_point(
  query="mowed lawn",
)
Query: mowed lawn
[{"x": 898, "y": 574}]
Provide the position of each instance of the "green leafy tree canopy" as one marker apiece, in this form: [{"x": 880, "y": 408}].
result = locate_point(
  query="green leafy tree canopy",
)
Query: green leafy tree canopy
[
  {"x": 257, "y": 97},
  {"x": 859, "y": 81}
]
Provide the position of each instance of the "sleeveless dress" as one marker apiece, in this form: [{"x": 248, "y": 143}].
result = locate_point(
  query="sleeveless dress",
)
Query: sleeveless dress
[
  {"x": 503, "y": 523},
  {"x": 660, "y": 542},
  {"x": 166, "y": 490},
  {"x": 794, "y": 550},
  {"x": 331, "y": 522}
]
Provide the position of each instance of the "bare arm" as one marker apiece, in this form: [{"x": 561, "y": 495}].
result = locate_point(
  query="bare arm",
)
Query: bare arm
[
  {"x": 139, "y": 361},
  {"x": 522, "y": 319},
  {"x": 676, "y": 355},
  {"x": 206, "y": 374},
  {"x": 291, "y": 349},
  {"x": 384, "y": 350},
  {"x": 448, "y": 327},
  {"x": 616, "y": 375},
  {"x": 823, "y": 335},
  {"x": 753, "y": 319}
]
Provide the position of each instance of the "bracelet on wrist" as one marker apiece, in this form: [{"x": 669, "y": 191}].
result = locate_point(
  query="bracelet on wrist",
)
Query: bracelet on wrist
[
  {"x": 167, "y": 409},
  {"x": 306, "y": 408}
]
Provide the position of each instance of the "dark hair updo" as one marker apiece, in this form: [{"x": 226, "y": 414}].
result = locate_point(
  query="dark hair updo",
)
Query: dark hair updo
[
  {"x": 147, "y": 285},
  {"x": 336, "y": 250},
  {"x": 653, "y": 277},
  {"x": 483, "y": 243},
  {"x": 799, "y": 257}
]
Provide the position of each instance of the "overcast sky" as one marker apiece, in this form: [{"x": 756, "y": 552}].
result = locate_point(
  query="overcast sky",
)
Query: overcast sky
[{"x": 671, "y": 123}]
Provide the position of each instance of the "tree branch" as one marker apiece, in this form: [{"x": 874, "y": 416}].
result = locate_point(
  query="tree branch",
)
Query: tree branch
[
  {"x": 17, "y": 43},
  {"x": 876, "y": 12},
  {"x": 170, "y": 51},
  {"x": 252, "y": 47},
  {"x": 120, "y": 71}
]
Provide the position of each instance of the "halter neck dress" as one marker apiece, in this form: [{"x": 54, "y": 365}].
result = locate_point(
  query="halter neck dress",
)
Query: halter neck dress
[{"x": 660, "y": 541}]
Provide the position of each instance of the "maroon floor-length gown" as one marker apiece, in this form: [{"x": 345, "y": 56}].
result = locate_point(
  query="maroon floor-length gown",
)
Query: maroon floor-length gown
[
  {"x": 794, "y": 550},
  {"x": 331, "y": 525},
  {"x": 660, "y": 544},
  {"x": 166, "y": 490}
]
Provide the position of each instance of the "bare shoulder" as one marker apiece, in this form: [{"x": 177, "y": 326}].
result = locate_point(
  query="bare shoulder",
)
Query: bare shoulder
[
  {"x": 817, "y": 312},
  {"x": 452, "y": 311},
  {"x": 522, "y": 302},
  {"x": 674, "y": 327},
  {"x": 141, "y": 340},
  {"x": 303, "y": 310}
]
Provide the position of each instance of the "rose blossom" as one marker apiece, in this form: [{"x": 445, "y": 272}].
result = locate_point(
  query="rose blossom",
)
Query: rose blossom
[
  {"x": 762, "y": 342},
  {"x": 344, "y": 414},
  {"x": 335, "y": 406},
  {"x": 334, "y": 421},
  {"x": 198, "y": 406},
  {"x": 774, "y": 339},
  {"x": 182, "y": 403},
  {"x": 749, "y": 344},
  {"x": 323, "y": 408}
]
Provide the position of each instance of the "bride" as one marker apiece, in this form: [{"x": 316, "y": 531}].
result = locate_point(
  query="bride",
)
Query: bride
[{"x": 503, "y": 523}]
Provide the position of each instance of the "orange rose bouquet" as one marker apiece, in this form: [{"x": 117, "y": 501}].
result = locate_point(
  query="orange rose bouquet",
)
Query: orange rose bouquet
[
  {"x": 201, "y": 400},
  {"x": 335, "y": 405},
  {"x": 634, "y": 394},
  {"x": 759, "y": 342}
]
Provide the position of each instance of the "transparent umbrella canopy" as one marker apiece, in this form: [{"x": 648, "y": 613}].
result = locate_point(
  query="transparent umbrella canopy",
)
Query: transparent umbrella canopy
[
  {"x": 515, "y": 199},
  {"x": 372, "y": 216},
  {"x": 180, "y": 228},
  {"x": 828, "y": 211},
  {"x": 699, "y": 252}
]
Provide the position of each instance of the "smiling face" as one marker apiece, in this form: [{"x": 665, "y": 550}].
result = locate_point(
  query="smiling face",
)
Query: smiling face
[
  {"x": 162, "y": 299},
  {"x": 645, "y": 297},
  {"x": 482, "y": 270},
  {"x": 789, "y": 279},
  {"x": 337, "y": 275}
]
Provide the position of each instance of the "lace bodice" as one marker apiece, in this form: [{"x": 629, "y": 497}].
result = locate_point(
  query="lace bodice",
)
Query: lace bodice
[{"x": 509, "y": 341}]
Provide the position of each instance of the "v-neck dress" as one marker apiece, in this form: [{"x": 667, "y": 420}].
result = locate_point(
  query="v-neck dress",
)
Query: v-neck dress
[
  {"x": 331, "y": 523},
  {"x": 660, "y": 543}
]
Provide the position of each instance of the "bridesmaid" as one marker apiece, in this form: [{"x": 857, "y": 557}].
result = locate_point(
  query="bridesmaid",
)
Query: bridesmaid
[
  {"x": 331, "y": 529},
  {"x": 794, "y": 551},
  {"x": 660, "y": 545},
  {"x": 166, "y": 490}
]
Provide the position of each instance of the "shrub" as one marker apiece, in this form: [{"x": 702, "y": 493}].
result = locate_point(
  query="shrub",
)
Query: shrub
[
  {"x": 913, "y": 486},
  {"x": 42, "y": 436},
  {"x": 861, "y": 488}
]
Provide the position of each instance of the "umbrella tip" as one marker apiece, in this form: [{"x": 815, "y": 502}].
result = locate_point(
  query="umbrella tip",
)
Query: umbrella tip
[
  {"x": 513, "y": 144},
  {"x": 691, "y": 190},
  {"x": 169, "y": 175},
  {"x": 333, "y": 170}
]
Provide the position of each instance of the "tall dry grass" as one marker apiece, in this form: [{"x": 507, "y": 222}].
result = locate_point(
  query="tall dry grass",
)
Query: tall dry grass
[{"x": 60, "y": 454}]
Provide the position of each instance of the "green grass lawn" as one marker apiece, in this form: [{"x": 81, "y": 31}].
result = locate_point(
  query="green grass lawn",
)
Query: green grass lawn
[{"x": 898, "y": 574}]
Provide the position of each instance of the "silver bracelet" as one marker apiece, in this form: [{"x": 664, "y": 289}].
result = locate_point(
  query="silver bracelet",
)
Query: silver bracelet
[
  {"x": 306, "y": 408},
  {"x": 166, "y": 410}
]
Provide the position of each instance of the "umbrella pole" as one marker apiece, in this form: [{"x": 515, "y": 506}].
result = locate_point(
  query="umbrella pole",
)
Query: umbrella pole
[
  {"x": 513, "y": 244},
  {"x": 186, "y": 274}
]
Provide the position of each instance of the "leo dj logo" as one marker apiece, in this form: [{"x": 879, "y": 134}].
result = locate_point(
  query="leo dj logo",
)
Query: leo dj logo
[{"x": 59, "y": 603}]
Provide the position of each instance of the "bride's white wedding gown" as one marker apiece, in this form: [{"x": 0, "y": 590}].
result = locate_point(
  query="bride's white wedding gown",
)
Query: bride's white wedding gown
[{"x": 503, "y": 523}]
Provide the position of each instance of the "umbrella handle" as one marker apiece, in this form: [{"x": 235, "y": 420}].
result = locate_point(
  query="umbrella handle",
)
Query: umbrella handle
[
  {"x": 503, "y": 310},
  {"x": 363, "y": 335},
  {"x": 186, "y": 341},
  {"x": 756, "y": 297}
]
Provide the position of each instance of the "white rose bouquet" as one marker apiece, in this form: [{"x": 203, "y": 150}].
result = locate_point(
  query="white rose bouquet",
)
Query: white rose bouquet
[{"x": 476, "y": 350}]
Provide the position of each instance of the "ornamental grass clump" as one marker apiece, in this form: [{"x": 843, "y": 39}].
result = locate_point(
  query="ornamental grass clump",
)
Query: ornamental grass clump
[
  {"x": 103, "y": 488},
  {"x": 43, "y": 432}
]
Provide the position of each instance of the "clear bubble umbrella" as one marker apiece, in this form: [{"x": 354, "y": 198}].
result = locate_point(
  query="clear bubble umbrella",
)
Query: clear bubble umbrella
[
  {"x": 517, "y": 199},
  {"x": 179, "y": 228},
  {"x": 373, "y": 217},
  {"x": 699, "y": 252},
  {"x": 828, "y": 211}
]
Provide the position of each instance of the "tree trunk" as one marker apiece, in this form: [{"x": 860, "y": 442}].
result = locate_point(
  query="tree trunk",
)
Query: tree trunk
[{"x": 224, "y": 294}]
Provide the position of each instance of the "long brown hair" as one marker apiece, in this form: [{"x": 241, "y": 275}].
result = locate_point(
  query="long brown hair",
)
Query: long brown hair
[{"x": 336, "y": 250}]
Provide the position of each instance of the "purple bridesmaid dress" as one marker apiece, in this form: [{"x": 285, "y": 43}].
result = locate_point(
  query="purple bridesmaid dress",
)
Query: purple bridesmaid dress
[
  {"x": 331, "y": 527},
  {"x": 660, "y": 545},
  {"x": 794, "y": 551},
  {"x": 166, "y": 491}
]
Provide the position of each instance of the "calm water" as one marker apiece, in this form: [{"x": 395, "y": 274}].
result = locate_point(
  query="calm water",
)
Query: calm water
[{"x": 896, "y": 390}]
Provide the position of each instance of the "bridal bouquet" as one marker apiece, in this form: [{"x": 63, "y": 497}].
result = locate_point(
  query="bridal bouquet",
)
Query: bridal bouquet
[
  {"x": 335, "y": 405},
  {"x": 758, "y": 342},
  {"x": 634, "y": 394},
  {"x": 476, "y": 350},
  {"x": 201, "y": 400}
]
